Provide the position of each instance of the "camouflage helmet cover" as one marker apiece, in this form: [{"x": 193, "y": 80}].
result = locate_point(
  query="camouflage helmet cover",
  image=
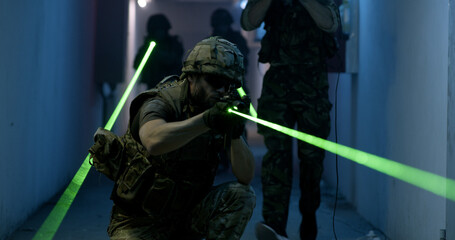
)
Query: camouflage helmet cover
[{"x": 216, "y": 56}]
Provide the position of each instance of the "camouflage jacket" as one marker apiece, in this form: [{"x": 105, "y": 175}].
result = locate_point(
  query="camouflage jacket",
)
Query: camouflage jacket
[
  {"x": 171, "y": 182},
  {"x": 292, "y": 36}
]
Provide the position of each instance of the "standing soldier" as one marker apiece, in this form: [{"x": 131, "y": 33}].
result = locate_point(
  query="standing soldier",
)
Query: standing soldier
[
  {"x": 297, "y": 42},
  {"x": 166, "y": 58},
  {"x": 221, "y": 22}
]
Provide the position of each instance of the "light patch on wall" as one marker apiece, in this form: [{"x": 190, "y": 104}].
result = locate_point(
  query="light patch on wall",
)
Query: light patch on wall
[
  {"x": 142, "y": 3},
  {"x": 243, "y": 4}
]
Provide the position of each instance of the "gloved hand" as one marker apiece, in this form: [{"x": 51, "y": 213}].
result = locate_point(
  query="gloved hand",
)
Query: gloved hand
[
  {"x": 220, "y": 120},
  {"x": 216, "y": 117},
  {"x": 237, "y": 131}
]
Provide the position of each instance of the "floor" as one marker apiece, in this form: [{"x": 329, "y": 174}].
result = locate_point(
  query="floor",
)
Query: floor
[{"x": 88, "y": 216}]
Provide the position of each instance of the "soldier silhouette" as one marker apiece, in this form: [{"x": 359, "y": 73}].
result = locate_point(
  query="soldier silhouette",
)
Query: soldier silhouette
[{"x": 166, "y": 58}]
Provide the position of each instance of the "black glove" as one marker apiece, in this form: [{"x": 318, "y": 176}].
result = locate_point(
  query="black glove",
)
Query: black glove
[
  {"x": 216, "y": 117},
  {"x": 237, "y": 131},
  {"x": 220, "y": 120}
]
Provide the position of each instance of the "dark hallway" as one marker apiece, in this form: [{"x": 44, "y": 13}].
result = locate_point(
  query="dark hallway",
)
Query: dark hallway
[
  {"x": 89, "y": 215},
  {"x": 395, "y": 100}
]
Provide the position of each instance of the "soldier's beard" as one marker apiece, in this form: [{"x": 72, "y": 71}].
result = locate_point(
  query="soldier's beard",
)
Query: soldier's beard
[{"x": 200, "y": 100}]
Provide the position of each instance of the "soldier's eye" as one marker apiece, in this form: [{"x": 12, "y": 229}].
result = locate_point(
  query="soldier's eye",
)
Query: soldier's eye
[{"x": 216, "y": 82}]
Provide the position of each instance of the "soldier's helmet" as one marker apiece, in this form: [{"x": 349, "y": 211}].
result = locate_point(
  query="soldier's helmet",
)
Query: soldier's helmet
[
  {"x": 221, "y": 17},
  {"x": 216, "y": 56},
  {"x": 158, "y": 21}
]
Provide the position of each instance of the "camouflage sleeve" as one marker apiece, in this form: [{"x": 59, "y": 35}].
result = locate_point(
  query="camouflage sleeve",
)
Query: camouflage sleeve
[
  {"x": 335, "y": 15},
  {"x": 244, "y": 19},
  {"x": 323, "y": 17}
]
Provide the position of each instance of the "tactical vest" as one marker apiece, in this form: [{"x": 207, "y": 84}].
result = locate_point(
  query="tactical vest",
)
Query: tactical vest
[
  {"x": 156, "y": 185},
  {"x": 292, "y": 37}
]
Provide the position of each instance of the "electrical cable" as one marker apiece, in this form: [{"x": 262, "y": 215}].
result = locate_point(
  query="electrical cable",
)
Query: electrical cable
[{"x": 341, "y": 64}]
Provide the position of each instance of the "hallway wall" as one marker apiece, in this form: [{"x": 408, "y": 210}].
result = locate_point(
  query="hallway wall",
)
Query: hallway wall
[
  {"x": 450, "y": 211},
  {"x": 49, "y": 108},
  {"x": 396, "y": 107}
]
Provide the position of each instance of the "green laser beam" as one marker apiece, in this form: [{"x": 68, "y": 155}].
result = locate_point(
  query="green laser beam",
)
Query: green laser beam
[
  {"x": 252, "y": 110},
  {"x": 431, "y": 182},
  {"x": 55, "y": 218},
  {"x": 128, "y": 90}
]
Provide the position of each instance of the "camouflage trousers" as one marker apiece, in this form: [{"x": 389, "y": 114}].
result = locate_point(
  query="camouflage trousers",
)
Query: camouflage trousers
[
  {"x": 222, "y": 214},
  {"x": 292, "y": 96}
]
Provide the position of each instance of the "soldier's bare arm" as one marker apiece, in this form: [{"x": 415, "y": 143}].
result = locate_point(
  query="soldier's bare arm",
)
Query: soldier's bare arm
[
  {"x": 325, "y": 16},
  {"x": 242, "y": 161},
  {"x": 160, "y": 137},
  {"x": 254, "y": 13}
]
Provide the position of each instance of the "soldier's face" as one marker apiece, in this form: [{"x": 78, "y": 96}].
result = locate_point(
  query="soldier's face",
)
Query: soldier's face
[{"x": 206, "y": 90}]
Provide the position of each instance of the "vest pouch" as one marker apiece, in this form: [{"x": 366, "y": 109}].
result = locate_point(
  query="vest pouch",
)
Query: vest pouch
[
  {"x": 159, "y": 197},
  {"x": 106, "y": 153},
  {"x": 135, "y": 179}
]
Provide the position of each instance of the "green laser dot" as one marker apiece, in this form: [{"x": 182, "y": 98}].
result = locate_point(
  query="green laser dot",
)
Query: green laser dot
[{"x": 55, "y": 218}]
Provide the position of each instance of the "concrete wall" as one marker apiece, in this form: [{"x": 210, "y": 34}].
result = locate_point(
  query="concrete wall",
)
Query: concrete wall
[
  {"x": 450, "y": 212},
  {"x": 49, "y": 109},
  {"x": 396, "y": 107},
  {"x": 417, "y": 107}
]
